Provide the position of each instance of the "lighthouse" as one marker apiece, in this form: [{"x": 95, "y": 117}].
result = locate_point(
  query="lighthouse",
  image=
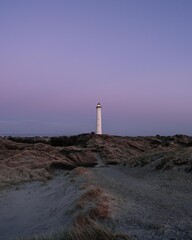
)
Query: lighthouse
[{"x": 98, "y": 119}]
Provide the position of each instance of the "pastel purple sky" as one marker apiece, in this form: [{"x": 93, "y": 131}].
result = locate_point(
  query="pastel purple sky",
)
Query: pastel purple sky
[{"x": 57, "y": 57}]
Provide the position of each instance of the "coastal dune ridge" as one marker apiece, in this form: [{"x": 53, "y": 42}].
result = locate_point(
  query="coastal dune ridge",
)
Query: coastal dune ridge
[{"x": 104, "y": 186}]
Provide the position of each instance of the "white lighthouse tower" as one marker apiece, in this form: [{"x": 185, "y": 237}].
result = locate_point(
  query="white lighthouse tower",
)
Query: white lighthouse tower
[{"x": 98, "y": 119}]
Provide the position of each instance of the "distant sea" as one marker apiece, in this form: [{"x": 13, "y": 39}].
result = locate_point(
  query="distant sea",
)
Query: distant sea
[{"x": 34, "y": 135}]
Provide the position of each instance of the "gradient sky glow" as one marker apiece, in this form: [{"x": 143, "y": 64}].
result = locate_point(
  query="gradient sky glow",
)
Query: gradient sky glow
[{"x": 58, "y": 57}]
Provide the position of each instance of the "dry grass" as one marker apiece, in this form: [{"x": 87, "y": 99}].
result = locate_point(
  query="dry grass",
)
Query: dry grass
[
  {"x": 21, "y": 162},
  {"x": 79, "y": 171},
  {"x": 82, "y": 220},
  {"x": 101, "y": 211},
  {"x": 92, "y": 194},
  {"x": 82, "y": 175},
  {"x": 10, "y": 176},
  {"x": 25, "y": 162},
  {"x": 92, "y": 231},
  {"x": 93, "y": 205}
]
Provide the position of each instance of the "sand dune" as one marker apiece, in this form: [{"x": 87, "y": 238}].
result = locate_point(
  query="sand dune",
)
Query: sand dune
[{"x": 134, "y": 188}]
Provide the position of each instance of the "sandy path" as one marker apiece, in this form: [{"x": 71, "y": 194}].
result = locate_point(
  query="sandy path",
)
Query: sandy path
[
  {"x": 146, "y": 204},
  {"x": 149, "y": 204}
]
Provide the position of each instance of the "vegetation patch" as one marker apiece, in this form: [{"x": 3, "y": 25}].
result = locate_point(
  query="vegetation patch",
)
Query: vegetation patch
[{"x": 92, "y": 231}]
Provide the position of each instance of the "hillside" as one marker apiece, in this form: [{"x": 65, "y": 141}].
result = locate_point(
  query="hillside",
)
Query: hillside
[
  {"x": 23, "y": 162},
  {"x": 97, "y": 187}
]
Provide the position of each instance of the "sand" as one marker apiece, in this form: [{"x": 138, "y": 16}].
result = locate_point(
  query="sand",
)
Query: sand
[{"x": 144, "y": 204}]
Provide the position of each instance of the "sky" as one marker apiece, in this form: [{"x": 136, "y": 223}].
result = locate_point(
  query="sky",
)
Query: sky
[{"x": 58, "y": 58}]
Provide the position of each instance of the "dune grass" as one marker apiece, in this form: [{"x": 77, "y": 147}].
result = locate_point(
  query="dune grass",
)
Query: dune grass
[
  {"x": 92, "y": 231},
  {"x": 12, "y": 176},
  {"x": 92, "y": 206}
]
